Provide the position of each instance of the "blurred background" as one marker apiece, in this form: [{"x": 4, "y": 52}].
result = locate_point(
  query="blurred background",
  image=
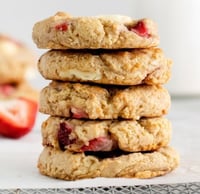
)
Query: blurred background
[{"x": 178, "y": 25}]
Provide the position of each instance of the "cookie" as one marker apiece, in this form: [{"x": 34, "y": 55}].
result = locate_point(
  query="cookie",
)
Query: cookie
[
  {"x": 63, "y": 31},
  {"x": 15, "y": 60},
  {"x": 77, "y": 100},
  {"x": 77, "y": 135},
  {"x": 23, "y": 89},
  {"x": 130, "y": 67},
  {"x": 71, "y": 166}
]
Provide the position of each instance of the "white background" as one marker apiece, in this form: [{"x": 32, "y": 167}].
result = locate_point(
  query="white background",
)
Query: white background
[{"x": 178, "y": 24}]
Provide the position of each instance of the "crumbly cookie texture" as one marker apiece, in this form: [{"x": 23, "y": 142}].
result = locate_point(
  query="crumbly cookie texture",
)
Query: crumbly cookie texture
[
  {"x": 22, "y": 89},
  {"x": 63, "y": 31},
  {"x": 71, "y": 166},
  {"x": 15, "y": 59},
  {"x": 130, "y": 67},
  {"x": 85, "y": 135},
  {"x": 77, "y": 100}
]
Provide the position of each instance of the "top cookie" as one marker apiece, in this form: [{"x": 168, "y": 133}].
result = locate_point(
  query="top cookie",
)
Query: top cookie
[{"x": 62, "y": 31}]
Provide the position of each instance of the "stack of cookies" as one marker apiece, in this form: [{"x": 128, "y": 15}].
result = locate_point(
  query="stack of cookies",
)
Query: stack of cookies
[{"x": 106, "y": 100}]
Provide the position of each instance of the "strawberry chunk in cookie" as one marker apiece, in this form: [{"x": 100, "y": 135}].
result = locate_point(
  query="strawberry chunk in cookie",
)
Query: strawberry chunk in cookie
[
  {"x": 64, "y": 135},
  {"x": 140, "y": 29},
  {"x": 78, "y": 113},
  {"x": 69, "y": 140},
  {"x": 99, "y": 144},
  {"x": 62, "y": 27}
]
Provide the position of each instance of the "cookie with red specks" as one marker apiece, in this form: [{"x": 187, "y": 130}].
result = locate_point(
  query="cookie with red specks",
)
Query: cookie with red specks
[
  {"x": 63, "y": 31},
  {"x": 78, "y": 135},
  {"x": 77, "y": 100},
  {"x": 15, "y": 60},
  {"x": 127, "y": 67},
  {"x": 72, "y": 166}
]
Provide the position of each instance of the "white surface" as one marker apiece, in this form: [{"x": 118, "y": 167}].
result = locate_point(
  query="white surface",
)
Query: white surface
[{"x": 18, "y": 158}]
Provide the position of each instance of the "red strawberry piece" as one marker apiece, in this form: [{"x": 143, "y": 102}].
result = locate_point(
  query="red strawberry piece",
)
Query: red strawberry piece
[
  {"x": 63, "y": 135},
  {"x": 62, "y": 27},
  {"x": 78, "y": 113},
  {"x": 140, "y": 29},
  {"x": 7, "y": 89},
  {"x": 98, "y": 144},
  {"x": 17, "y": 117}
]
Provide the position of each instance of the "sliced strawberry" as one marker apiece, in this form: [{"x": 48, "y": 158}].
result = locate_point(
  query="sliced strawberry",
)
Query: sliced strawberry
[
  {"x": 140, "y": 29},
  {"x": 99, "y": 144},
  {"x": 78, "y": 113},
  {"x": 17, "y": 117}
]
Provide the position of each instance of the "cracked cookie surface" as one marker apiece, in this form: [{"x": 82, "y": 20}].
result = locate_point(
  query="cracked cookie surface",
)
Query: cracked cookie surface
[
  {"x": 130, "y": 67},
  {"x": 63, "y": 31},
  {"x": 77, "y": 100},
  {"x": 85, "y": 135}
]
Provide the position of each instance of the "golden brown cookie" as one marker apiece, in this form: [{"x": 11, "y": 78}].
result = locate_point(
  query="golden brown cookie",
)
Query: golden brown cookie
[
  {"x": 106, "y": 135},
  {"x": 15, "y": 60},
  {"x": 71, "y": 166},
  {"x": 63, "y": 31},
  {"x": 103, "y": 102},
  {"x": 130, "y": 67}
]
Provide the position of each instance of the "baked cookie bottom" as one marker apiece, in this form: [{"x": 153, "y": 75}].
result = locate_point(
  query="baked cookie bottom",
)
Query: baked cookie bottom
[
  {"x": 63, "y": 31},
  {"x": 77, "y": 135},
  {"x": 125, "y": 67},
  {"x": 77, "y": 100},
  {"x": 71, "y": 166}
]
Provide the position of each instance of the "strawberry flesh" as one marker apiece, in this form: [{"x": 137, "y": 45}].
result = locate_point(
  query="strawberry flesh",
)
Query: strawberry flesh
[
  {"x": 98, "y": 144},
  {"x": 63, "y": 135},
  {"x": 17, "y": 117},
  {"x": 78, "y": 113},
  {"x": 62, "y": 27},
  {"x": 140, "y": 29}
]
